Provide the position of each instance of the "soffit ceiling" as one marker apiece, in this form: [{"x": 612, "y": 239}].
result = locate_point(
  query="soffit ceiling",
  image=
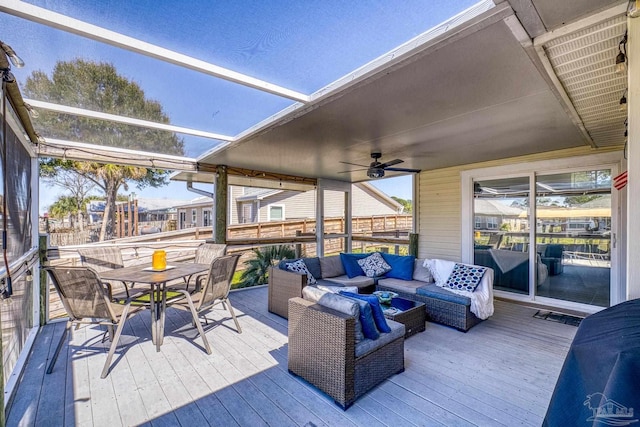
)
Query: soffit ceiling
[{"x": 481, "y": 94}]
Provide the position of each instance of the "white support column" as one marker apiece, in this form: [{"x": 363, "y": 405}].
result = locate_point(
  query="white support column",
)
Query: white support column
[
  {"x": 348, "y": 214},
  {"x": 319, "y": 220},
  {"x": 633, "y": 161}
]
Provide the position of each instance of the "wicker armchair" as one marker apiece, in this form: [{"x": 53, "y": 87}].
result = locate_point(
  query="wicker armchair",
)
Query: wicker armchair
[
  {"x": 282, "y": 286},
  {"x": 322, "y": 351}
]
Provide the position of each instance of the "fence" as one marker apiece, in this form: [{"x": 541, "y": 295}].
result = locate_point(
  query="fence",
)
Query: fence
[{"x": 181, "y": 244}]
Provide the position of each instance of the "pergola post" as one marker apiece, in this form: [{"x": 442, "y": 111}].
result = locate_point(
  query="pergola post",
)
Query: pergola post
[{"x": 220, "y": 205}]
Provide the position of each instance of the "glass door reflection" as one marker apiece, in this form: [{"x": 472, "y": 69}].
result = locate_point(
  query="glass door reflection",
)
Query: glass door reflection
[
  {"x": 573, "y": 236},
  {"x": 501, "y": 231}
]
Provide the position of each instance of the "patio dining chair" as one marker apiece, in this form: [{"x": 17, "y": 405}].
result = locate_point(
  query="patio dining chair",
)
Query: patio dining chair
[
  {"x": 103, "y": 258},
  {"x": 215, "y": 290},
  {"x": 205, "y": 254},
  {"x": 86, "y": 301}
]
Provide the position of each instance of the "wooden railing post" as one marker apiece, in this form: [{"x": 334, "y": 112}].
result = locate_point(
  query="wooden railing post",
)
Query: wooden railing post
[
  {"x": 413, "y": 244},
  {"x": 298, "y": 245},
  {"x": 43, "y": 244}
]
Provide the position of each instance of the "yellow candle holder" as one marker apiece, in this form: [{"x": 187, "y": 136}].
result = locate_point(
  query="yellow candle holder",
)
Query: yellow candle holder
[{"x": 159, "y": 260}]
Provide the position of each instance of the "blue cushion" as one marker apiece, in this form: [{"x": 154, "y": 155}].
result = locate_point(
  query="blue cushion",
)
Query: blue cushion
[
  {"x": 435, "y": 291},
  {"x": 376, "y": 310},
  {"x": 401, "y": 266},
  {"x": 350, "y": 264},
  {"x": 282, "y": 265},
  {"x": 313, "y": 264},
  {"x": 369, "y": 329}
]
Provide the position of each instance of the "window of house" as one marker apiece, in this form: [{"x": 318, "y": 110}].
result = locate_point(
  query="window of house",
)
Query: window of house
[
  {"x": 194, "y": 217},
  {"x": 206, "y": 218},
  {"x": 492, "y": 223},
  {"x": 276, "y": 213},
  {"x": 247, "y": 213}
]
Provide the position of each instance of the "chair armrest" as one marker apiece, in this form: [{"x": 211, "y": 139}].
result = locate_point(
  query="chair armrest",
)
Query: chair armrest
[
  {"x": 284, "y": 285},
  {"x": 321, "y": 346}
]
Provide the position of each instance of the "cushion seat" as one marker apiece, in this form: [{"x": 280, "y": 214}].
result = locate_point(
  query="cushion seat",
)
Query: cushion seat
[
  {"x": 399, "y": 285},
  {"x": 359, "y": 281},
  {"x": 367, "y": 346},
  {"x": 434, "y": 291}
]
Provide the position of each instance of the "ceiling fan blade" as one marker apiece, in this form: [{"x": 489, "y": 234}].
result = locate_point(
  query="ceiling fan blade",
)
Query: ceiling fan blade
[
  {"x": 390, "y": 163},
  {"x": 354, "y": 170},
  {"x": 402, "y": 170},
  {"x": 355, "y": 164}
]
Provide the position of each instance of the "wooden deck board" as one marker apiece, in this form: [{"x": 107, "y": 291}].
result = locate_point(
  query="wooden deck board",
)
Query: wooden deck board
[{"x": 500, "y": 373}]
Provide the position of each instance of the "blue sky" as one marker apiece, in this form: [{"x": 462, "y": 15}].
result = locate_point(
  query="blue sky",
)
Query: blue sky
[{"x": 300, "y": 45}]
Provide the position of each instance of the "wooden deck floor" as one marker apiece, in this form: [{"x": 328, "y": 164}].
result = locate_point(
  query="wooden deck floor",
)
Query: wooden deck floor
[{"x": 501, "y": 373}]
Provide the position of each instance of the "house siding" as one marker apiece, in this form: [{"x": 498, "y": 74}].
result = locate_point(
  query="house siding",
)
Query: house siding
[
  {"x": 302, "y": 205},
  {"x": 440, "y": 202}
]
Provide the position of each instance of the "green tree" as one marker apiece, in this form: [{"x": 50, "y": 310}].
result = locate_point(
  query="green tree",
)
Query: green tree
[
  {"x": 78, "y": 185},
  {"x": 98, "y": 87},
  {"x": 63, "y": 207},
  {"x": 257, "y": 269}
]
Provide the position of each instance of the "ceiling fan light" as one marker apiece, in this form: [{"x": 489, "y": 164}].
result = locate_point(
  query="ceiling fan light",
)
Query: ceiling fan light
[{"x": 375, "y": 173}]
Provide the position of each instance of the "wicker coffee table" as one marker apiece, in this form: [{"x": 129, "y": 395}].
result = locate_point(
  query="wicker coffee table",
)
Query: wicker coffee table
[{"x": 410, "y": 313}]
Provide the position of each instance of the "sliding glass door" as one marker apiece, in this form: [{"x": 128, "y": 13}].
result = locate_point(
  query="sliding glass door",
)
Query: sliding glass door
[
  {"x": 501, "y": 231},
  {"x": 573, "y": 236},
  {"x": 569, "y": 217}
]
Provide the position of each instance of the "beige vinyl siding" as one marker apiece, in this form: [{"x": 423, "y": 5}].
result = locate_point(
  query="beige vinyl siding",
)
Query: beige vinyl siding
[
  {"x": 366, "y": 204},
  {"x": 440, "y": 204},
  {"x": 296, "y": 205},
  {"x": 235, "y": 211},
  {"x": 302, "y": 205}
]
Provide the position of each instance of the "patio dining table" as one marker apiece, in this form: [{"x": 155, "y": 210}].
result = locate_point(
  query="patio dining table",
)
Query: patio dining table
[{"x": 157, "y": 280}]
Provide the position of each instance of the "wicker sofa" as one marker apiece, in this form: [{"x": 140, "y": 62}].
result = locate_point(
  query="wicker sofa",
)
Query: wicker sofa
[
  {"x": 322, "y": 349},
  {"x": 328, "y": 270},
  {"x": 441, "y": 306}
]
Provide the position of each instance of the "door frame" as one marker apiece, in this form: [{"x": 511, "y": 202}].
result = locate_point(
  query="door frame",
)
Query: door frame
[{"x": 610, "y": 161}]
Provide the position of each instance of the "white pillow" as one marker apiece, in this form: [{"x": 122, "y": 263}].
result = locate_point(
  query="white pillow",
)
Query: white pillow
[{"x": 440, "y": 269}]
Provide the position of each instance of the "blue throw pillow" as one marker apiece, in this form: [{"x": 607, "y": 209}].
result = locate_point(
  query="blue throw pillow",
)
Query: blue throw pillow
[
  {"x": 401, "y": 266},
  {"x": 376, "y": 310},
  {"x": 369, "y": 329},
  {"x": 350, "y": 264}
]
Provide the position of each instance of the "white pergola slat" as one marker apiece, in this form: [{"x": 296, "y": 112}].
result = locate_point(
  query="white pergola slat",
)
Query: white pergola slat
[{"x": 94, "y": 32}]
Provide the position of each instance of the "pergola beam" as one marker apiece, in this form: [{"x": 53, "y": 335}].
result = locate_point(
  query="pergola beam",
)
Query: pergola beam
[
  {"x": 102, "y": 154},
  {"x": 125, "y": 120}
]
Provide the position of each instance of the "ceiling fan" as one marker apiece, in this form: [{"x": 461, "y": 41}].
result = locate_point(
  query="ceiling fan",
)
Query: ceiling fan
[{"x": 377, "y": 169}]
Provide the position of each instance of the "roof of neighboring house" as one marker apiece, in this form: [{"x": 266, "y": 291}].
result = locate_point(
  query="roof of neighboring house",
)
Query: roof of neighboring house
[
  {"x": 603, "y": 201},
  {"x": 144, "y": 204},
  {"x": 494, "y": 207},
  {"x": 197, "y": 202},
  {"x": 258, "y": 195}
]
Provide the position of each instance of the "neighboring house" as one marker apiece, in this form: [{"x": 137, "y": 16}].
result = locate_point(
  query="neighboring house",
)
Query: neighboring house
[
  {"x": 249, "y": 205},
  {"x": 492, "y": 214},
  {"x": 148, "y": 209}
]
